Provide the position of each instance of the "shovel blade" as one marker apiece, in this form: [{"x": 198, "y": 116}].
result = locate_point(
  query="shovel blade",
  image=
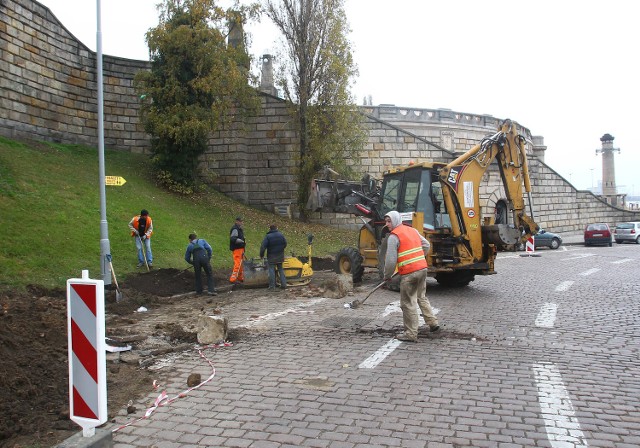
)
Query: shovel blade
[{"x": 355, "y": 304}]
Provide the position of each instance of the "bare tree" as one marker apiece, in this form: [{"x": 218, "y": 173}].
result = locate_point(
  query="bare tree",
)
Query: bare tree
[{"x": 315, "y": 75}]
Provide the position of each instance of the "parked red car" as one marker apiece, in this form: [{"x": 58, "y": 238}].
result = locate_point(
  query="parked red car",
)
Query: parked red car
[{"x": 597, "y": 233}]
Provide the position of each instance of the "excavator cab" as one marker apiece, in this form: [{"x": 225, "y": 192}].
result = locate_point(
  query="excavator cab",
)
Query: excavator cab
[{"x": 415, "y": 190}]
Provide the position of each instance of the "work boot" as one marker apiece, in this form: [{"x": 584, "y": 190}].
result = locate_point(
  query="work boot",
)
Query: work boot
[
  {"x": 140, "y": 265},
  {"x": 434, "y": 328},
  {"x": 406, "y": 337},
  {"x": 212, "y": 293}
]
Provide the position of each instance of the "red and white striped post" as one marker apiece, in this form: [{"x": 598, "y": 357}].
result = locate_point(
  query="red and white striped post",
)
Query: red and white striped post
[
  {"x": 87, "y": 357},
  {"x": 530, "y": 246}
]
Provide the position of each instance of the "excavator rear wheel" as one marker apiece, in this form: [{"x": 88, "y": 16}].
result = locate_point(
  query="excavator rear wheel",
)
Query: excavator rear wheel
[
  {"x": 454, "y": 279},
  {"x": 349, "y": 261}
]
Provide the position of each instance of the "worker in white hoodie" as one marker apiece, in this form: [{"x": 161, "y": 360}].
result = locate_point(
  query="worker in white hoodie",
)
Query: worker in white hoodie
[{"x": 407, "y": 249}]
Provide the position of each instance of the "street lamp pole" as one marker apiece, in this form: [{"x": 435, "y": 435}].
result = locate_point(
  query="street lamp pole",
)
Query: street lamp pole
[
  {"x": 592, "y": 179},
  {"x": 105, "y": 249}
]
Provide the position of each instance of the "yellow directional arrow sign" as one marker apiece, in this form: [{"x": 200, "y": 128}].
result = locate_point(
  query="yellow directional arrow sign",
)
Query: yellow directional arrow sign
[{"x": 114, "y": 180}]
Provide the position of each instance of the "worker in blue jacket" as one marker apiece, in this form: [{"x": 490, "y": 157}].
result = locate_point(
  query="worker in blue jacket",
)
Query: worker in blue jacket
[
  {"x": 199, "y": 254},
  {"x": 274, "y": 244}
]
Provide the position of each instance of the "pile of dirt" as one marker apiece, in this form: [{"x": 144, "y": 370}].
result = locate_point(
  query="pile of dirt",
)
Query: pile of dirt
[{"x": 34, "y": 402}]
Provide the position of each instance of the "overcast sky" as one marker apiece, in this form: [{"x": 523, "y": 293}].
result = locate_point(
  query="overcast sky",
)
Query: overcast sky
[{"x": 566, "y": 69}]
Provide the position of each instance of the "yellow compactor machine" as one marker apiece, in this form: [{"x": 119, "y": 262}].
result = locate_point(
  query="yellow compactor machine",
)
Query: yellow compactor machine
[{"x": 297, "y": 272}]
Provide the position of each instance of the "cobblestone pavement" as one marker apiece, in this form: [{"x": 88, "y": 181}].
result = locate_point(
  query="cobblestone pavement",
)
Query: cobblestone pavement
[{"x": 543, "y": 354}]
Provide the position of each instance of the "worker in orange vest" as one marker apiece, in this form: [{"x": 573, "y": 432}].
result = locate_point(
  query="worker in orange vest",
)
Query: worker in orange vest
[
  {"x": 237, "y": 244},
  {"x": 141, "y": 227},
  {"x": 407, "y": 249}
]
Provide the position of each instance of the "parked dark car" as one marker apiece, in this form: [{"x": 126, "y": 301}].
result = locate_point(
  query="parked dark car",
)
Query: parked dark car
[
  {"x": 627, "y": 231},
  {"x": 545, "y": 239},
  {"x": 597, "y": 233}
]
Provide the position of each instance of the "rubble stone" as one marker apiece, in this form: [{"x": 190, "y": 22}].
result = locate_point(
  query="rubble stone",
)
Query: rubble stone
[{"x": 212, "y": 329}]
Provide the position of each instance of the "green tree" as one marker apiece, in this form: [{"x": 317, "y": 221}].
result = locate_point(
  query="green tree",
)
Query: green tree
[
  {"x": 196, "y": 84},
  {"x": 315, "y": 75}
]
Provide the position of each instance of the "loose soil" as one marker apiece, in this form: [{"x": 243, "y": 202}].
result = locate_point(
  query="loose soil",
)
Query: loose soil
[{"x": 34, "y": 403}]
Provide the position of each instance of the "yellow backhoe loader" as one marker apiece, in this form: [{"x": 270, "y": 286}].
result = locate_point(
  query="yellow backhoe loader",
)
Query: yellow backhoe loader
[{"x": 442, "y": 201}]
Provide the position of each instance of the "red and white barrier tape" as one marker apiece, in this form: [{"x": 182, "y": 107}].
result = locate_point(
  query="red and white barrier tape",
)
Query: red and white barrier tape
[{"x": 163, "y": 399}]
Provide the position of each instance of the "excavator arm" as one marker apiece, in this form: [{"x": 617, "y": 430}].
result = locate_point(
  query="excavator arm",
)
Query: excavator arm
[{"x": 461, "y": 180}]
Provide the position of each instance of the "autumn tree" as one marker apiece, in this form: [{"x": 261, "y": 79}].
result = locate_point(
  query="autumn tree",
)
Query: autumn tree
[
  {"x": 315, "y": 73},
  {"x": 197, "y": 82}
]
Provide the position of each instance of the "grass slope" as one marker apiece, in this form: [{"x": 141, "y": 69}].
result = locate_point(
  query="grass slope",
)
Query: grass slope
[{"x": 50, "y": 217}]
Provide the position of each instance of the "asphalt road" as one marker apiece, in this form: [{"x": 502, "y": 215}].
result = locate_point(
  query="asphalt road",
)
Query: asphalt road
[{"x": 543, "y": 354}]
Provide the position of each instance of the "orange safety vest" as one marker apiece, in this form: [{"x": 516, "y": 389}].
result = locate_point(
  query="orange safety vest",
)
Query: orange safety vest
[
  {"x": 135, "y": 225},
  {"x": 410, "y": 254}
]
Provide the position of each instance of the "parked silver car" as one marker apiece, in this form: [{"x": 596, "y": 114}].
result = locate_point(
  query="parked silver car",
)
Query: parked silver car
[{"x": 627, "y": 231}]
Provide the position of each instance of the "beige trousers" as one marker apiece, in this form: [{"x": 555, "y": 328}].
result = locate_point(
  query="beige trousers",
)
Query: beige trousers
[{"x": 413, "y": 294}]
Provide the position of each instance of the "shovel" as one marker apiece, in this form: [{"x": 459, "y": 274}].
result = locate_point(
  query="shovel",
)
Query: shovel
[
  {"x": 115, "y": 280},
  {"x": 357, "y": 303},
  {"x": 144, "y": 252}
]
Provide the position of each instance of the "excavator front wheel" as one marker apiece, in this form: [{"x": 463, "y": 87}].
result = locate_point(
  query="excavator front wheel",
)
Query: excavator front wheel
[{"x": 349, "y": 261}]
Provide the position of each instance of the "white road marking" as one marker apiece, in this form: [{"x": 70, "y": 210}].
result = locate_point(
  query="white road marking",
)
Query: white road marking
[
  {"x": 394, "y": 307},
  {"x": 576, "y": 257},
  {"x": 375, "y": 359},
  {"x": 547, "y": 315},
  {"x": 564, "y": 286},
  {"x": 563, "y": 428},
  {"x": 589, "y": 272},
  {"x": 622, "y": 261},
  {"x": 271, "y": 316}
]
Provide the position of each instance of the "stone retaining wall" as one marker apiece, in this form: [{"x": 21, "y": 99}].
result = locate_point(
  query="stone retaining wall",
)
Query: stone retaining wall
[
  {"x": 48, "y": 92},
  {"x": 48, "y": 84}
]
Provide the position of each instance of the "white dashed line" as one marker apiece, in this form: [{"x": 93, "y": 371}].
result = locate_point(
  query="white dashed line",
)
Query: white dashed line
[
  {"x": 589, "y": 272},
  {"x": 563, "y": 428},
  {"x": 547, "y": 315},
  {"x": 564, "y": 286},
  {"x": 393, "y": 307},
  {"x": 576, "y": 257},
  {"x": 271, "y": 316},
  {"x": 375, "y": 359},
  {"x": 622, "y": 261},
  {"x": 384, "y": 351}
]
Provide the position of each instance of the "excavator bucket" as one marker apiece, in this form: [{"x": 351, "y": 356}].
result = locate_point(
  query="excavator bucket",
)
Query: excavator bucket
[{"x": 256, "y": 273}]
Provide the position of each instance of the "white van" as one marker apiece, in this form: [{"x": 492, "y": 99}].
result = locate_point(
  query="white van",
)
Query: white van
[{"x": 627, "y": 231}]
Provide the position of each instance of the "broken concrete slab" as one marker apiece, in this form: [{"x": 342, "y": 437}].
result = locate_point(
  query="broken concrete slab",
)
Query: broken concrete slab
[
  {"x": 337, "y": 287},
  {"x": 212, "y": 329}
]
